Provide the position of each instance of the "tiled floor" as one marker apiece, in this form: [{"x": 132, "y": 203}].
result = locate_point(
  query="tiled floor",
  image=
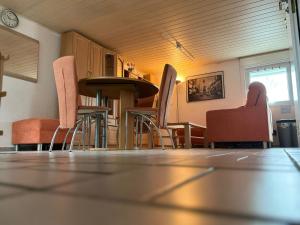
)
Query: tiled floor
[{"x": 172, "y": 187}]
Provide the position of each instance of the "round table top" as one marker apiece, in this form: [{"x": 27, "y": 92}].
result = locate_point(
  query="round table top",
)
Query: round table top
[{"x": 111, "y": 87}]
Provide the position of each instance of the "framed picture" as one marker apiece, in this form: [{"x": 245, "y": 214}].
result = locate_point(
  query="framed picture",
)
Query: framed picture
[{"x": 205, "y": 87}]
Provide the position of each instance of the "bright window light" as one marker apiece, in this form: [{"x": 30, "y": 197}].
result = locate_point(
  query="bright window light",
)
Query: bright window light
[{"x": 275, "y": 81}]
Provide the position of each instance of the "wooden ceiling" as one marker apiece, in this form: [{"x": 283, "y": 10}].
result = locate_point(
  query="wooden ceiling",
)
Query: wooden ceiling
[{"x": 139, "y": 30}]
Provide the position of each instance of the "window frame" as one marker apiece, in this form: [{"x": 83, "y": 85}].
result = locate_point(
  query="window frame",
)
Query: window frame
[{"x": 287, "y": 65}]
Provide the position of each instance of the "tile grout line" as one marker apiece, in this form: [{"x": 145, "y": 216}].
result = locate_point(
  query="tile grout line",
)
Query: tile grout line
[
  {"x": 222, "y": 154},
  {"x": 162, "y": 191},
  {"x": 295, "y": 163},
  {"x": 242, "y": 158}
]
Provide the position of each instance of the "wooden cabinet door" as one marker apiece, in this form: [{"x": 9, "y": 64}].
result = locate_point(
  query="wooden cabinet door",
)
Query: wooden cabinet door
[
  {"x": 109, "y": 63},
  {"x": 81, "y": 53},
  {"x": 96, "y": 57}
]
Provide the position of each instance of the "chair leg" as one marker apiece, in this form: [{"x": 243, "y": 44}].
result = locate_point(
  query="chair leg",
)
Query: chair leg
[
  {"x": 83, "y": 131},
  {"x": 65, "y": 139},
  {"x": 106, "y": 129},
  {"x": 156, "y": 127},
  {"x": 212, "y": 145},
  {"x": 264, "y": 144},
  {"x": 53, "y": 139},
  {"x": 171, "y": 138},
  {"x": 126, "y": 128},
  {"x": 150, "y": 136},
  {"x": 136, "y": 132},
  {"x": 39, "y": 147},
  {"x": 160, "y": 137},
  {"x": 74, "y": 134},
  {"x": 141, "y": 132},
  {"x": 17, "y": 148},
  {"x": 89, "y": 130}
]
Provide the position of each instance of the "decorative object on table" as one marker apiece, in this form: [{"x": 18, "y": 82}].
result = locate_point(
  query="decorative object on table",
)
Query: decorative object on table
[
  {"x": 9, "y": 18},
  {"x": 205, "y": 87},
  {"x": 126, "y": 73},
  {"x": 130, "y": 67}
]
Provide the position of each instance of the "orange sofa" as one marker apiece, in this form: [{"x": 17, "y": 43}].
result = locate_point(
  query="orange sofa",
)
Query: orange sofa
[
  {"x": 249, "y": 123},
  {"x": 36, "y": 131}
]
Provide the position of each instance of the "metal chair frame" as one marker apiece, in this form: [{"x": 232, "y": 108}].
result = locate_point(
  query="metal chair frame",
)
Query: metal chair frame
[
  {"x": 148, "y": 118},
  {"x": 86, "y": 118}
]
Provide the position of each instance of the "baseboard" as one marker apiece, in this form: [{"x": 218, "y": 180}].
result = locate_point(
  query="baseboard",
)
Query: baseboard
[{"x": 7, "y": 149}]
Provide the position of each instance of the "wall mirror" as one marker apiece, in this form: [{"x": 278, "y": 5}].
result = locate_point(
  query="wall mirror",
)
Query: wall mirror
[{"x": 23, "y": 55}]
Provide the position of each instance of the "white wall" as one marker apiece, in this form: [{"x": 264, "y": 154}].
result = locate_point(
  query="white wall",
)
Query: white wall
[
  {"x": 26, "y": 99},
  {"x": 196, "y": 111}
]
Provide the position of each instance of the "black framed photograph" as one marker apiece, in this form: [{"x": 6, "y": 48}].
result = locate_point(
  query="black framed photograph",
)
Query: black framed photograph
[{"x": 207, "y": 86}]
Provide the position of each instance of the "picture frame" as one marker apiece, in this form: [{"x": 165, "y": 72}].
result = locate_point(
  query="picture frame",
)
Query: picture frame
[{"x": 208, "y": 86}]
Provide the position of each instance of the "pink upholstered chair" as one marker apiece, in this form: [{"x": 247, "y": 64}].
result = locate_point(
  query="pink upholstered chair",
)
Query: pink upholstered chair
[
  {"x": 157, "y": 117},
  {"x": 249, "y": 123},
  {"x": 68, "y": 99}
]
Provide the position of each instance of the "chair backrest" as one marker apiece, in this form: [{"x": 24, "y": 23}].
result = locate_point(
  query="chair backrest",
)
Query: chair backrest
[
  {"x": 67, "y": 90},
  {"x": 256, "y": 94},
  {"x": 145, "y": 102},
  {"x": 165, "y": 92}
]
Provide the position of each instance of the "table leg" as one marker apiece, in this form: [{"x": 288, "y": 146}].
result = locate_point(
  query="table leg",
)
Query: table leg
[
  {"x": 97, "y": 122},
  {"x": 174, "y": 136},
  {"x": 126, "y": 101},
  {"x": 187, "y": 136}
]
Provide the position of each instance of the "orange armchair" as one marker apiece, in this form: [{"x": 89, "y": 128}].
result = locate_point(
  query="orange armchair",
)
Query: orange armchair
[{"x": 249, "y": 123}]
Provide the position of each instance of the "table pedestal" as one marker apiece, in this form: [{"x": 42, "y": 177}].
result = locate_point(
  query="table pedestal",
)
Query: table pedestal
[{"x": 126, "y": 101}]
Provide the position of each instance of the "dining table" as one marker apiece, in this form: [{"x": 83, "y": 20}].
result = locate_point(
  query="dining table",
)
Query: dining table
[{"x": 126, "y": 90}]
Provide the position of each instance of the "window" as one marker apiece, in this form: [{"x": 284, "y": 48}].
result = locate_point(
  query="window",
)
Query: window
[{"x": 277, "y": 80}]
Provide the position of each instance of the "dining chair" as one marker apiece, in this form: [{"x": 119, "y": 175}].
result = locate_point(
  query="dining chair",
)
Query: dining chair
[
  {"x": 71, "y": 113},
  {"x": 156, "y": 117}
]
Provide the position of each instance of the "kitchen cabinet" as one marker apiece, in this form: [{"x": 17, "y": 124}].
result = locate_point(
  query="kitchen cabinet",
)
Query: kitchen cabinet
[{"x": 92, "y": 60}]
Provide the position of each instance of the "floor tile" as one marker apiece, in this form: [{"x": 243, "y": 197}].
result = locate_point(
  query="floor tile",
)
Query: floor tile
[
  {"x": 38, "y": 179},
  {"x": 86, "y": 167},
  {"x": 134, "y": 185},
  {"x": 261, "y": 194},
  {"x": 8, "y": 191},
  {"x": 36, "y": 209},
  {"x": 243, "y": 160}
]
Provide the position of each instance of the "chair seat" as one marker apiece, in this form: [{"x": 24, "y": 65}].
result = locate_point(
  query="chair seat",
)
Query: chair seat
[
  {"x": 144, "y": 110},
  {"x": 36, "y": 131},
  {"x": 83, "y": 109}
]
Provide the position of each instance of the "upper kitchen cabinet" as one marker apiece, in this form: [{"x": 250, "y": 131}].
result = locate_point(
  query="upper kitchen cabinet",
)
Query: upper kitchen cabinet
[
  {"x": 96, "y": 60},
  {"x": 109, "y": 63},
  {"x": 79, "y": 46},
  {"x": 92, "y": 60}
]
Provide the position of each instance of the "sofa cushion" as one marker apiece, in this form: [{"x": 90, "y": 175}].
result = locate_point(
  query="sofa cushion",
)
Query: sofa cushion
[{"x": 36, "y": 131}]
